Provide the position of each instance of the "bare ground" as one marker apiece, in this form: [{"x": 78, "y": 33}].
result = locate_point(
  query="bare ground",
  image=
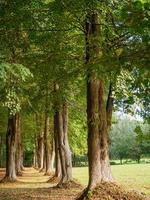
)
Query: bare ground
[{"x": 33, "y": 186}]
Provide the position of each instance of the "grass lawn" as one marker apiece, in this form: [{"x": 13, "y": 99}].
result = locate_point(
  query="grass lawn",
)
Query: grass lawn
[{"x": 132, "y": 176}]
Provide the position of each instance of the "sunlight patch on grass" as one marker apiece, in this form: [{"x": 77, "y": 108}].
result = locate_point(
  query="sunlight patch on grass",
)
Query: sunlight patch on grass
[{"x": 132, "y": 176}]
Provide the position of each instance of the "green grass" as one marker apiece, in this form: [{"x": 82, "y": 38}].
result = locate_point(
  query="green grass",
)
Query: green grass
[{"x": 132, "y": 176}]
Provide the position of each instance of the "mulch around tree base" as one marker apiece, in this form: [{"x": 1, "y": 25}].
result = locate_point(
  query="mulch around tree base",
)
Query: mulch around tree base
[
  {"x": 112, "y": 191},
  {"x": 53, "y": 180},
  {"x": 73, "y": 184}
]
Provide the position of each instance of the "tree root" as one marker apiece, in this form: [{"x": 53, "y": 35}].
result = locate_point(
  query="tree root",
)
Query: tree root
[
  {"x": 69, "y": 184},
  {"x": 23, "y": 168},
  {"x": 7, "y": 179},
  {"x": 36, "y": 168},
  {"x": 19, "y": 173},
  {"x": 82, "y": 195},
  {"x": 49, "y": 174},
  {"x": 53, "y": 179}
]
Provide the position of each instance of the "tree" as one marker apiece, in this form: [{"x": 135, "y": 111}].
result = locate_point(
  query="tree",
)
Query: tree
[
  {"x": 122, "y": 138},
  {"x": 99, "y": 169},
  {"x": 15, "y": 74},
  {"x": 61, "y": 139}
]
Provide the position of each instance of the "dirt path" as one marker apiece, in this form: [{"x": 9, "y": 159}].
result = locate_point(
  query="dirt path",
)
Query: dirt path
[{"x": 33, "y": 186}]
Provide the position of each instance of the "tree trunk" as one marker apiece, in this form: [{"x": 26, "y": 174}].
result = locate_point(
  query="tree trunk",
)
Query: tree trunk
[
  {"x": 121, "y": 161},
  {"x": 64, "y": 149},
  {"x": 11, "y": 150},
  {"x": 104, "y": 138},
  {"x": 47, "y": 147},
  {"x": 67, "y": 151},
  {"x": 51, "y": 158},
  {"x": 35, "y": 154},
  {"x": 48, "y": 141},
  {"x": 58, "y": 172},
  {"x": 39, "y": 143},
  {"x": 1, "y": 150},
  {"x": 109, "y": 107},
  {"x": 52, "y": 155},
  {"x": 138, "y": 159},
  {"x": 35, "y": 162},
  {"x": 22, "y": 153},
  {"x": 40, "y": 151},
  {"x": 99, "y": 167},
  {"x": 93, "y": 133},
  {"x": 35, "y": 159},
  {"x": 57, "y": 157},
  {"x": 18, "y": 145}
]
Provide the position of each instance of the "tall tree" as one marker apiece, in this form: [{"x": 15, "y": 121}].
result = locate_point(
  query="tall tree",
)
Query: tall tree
[
  {"x": 61, "y": 128},
  {"x": 19, "y": 145},
  {"x": 99, "y": 167},
  {"x": 15, "y": 76}
]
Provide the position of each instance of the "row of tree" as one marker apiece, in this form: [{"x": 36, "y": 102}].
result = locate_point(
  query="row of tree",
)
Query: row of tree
[{"x": 56, "y": 53}]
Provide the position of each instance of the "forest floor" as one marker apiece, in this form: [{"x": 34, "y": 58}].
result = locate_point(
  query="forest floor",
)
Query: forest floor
[{"x": 33, "y": 186}]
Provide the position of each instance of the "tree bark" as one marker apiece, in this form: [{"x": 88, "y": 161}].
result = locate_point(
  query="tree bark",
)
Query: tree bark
[
  {"x": 67, "y": 151},
  {"x": 64, "y": 149},
  {"x": 40, "y": 151},
  {"x": 109, "y": 107},
  {"x": 48, "y": 141},
  {"x": 22, "y": 153},
  {"x": 47, "y": 146},
  {"x": 104, "y": 137},
  {"x": 35, "y": 158},
  {"x": 39, "y": 143},
  {"x": 35, "y": 154},
  {"x": 35, "y": 162},
  {"x": 99, "y": 167},
  {"x": 1, "y": 150},
  {"x": 11, "y": 150},
  {"x": 93, "y": 133},
  {"x": 51, "y": 157},
  {"x": 18, "y": 145},
  {"x": 57, "y": 157}
]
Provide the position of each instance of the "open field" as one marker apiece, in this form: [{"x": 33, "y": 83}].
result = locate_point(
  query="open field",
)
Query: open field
[{"x": 132, "y": 176}]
